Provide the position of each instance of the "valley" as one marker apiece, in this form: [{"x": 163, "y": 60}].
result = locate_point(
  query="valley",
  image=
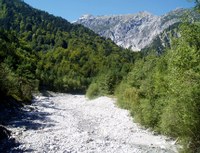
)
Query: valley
[{"x": 148, "y": 63}]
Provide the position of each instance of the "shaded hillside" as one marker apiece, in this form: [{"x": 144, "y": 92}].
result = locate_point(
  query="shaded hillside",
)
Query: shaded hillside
[{"x": 68, "y": 56}]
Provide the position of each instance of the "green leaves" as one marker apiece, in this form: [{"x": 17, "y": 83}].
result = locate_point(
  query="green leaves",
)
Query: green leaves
[
  {"x": 62, "y": 56},
  {"x": 164, "y": 92},
  {"x": 17, "y": 78}
]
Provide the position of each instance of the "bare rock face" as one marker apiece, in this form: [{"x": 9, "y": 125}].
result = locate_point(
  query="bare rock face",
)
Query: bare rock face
[{"x": 134, "y": 31}]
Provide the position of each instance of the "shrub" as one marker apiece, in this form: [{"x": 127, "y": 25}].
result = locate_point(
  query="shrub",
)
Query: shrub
[{"x": 93, "y": 91}]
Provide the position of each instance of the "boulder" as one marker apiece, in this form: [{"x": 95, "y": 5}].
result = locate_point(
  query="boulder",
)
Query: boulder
[{"x": 4, "y": 133}]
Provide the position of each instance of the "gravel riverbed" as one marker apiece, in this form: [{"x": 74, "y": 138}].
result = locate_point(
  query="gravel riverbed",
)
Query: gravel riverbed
[{"x": 64, "y": 123}]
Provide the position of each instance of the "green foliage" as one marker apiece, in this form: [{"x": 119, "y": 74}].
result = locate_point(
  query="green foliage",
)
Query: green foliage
[
  {"x": 62, "y": 56},
  {"x": 93, "y": 91},
  {"x": 17, "y": 78},
  {"x": 111, "y": 72},
  {"x": 162, "y": 92},
  {"x": 67, "y": 57},
  {"x": 104, "y": 84},
  {"x": 73, "y": 69},
  {"x": 197, "y": 7}
]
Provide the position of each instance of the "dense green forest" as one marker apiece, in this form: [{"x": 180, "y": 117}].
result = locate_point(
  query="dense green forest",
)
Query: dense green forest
[
  {"x": 162, "y": 90},
  {"x": 17, "y": 77},
  {"x": 65, "y": 57}
]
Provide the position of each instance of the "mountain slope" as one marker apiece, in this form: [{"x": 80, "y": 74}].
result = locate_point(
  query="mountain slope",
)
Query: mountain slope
[
  {"x": 134, "y": 31},
  {"x": 163, "y": 41},
  {"x": 68, "y": 56}
]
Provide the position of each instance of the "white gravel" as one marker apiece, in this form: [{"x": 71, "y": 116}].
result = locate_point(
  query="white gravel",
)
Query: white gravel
[{"x": 67, "y": 123}]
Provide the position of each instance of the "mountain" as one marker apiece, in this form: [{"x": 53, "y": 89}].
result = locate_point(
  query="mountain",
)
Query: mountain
[
  {"x": 163, "y": 40},
  {"x": 134, "y": 31},
  {"x": 66, "y": 57}
]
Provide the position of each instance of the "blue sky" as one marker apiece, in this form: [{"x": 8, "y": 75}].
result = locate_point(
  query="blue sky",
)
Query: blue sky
[{"x": 73, "y": 9}]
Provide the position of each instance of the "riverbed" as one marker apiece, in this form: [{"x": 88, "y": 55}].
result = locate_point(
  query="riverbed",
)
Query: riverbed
[{"x": 65, "y": 123}]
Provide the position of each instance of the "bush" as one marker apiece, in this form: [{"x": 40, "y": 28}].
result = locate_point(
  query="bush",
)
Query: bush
[{"x": 93, "y": 91}]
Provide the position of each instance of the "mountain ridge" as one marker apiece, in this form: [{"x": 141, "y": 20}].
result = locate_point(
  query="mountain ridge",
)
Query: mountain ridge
[{"x": 133, "y": 31}]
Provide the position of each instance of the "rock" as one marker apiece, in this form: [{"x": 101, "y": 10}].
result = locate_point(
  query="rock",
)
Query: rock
[
  {"x": 89, "y": 140},
  {"x": 51, "y": 147},
  {"x": 134, "y": 31},
  {"x": 86, "y": 126},
  {"x": 4, "y": 133}
]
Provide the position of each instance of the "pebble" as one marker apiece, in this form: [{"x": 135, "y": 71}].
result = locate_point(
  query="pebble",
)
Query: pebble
[{"x": 66, "y": 123}]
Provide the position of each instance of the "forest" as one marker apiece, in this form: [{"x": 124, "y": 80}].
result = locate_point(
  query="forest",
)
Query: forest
[
  {"x": 162, "y": 90},
  {"x": 41, "y": 52},
  {"x": 63, "y": 57}
]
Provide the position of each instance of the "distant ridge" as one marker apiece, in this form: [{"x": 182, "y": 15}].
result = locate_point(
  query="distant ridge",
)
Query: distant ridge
[{"x": 134, "y": 31}]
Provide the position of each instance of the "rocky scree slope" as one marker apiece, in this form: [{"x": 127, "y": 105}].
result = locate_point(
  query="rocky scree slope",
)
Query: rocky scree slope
[{"x": 134, "y": 31}]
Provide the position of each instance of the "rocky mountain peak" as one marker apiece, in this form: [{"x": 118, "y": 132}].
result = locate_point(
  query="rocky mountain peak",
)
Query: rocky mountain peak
[
  {"x": 134, "y": 31},
  {"x": 144, "y": 13},
  {"x": 86, "y": 17}
]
